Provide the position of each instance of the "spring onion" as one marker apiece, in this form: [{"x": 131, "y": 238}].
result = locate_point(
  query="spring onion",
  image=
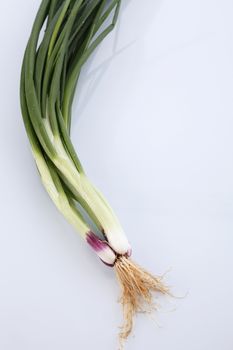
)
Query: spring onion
[{"x": 50, "y": 72}]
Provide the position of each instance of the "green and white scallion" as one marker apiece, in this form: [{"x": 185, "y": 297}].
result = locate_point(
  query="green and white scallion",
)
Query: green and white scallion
[{"x": 50, "y": 72}]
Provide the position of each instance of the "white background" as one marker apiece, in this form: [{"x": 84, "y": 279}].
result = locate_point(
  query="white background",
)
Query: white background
[{"x": 153, "y": 125}]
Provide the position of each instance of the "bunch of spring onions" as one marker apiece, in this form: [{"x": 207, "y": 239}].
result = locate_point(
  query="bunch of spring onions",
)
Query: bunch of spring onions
[{"x": 70, "y": 31}]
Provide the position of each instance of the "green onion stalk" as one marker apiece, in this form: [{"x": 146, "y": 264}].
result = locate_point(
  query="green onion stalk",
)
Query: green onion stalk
[{"x": 72, "y": 29}]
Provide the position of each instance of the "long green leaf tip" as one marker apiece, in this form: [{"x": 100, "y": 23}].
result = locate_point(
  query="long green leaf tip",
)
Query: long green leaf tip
[{"x": 50, "y": 72}]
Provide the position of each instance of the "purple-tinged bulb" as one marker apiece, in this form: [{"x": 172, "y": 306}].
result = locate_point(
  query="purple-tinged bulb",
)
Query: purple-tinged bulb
[
  {"x": 102, "y": 249},
  {"x": 95, "y": 242},
  {"x": 129, "y": 252}
]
